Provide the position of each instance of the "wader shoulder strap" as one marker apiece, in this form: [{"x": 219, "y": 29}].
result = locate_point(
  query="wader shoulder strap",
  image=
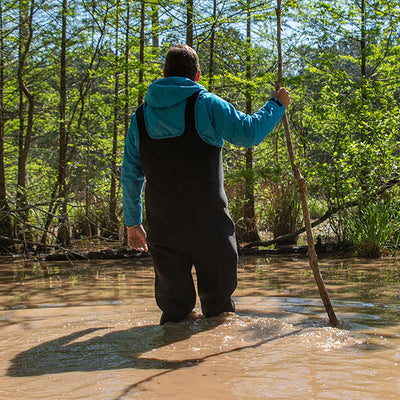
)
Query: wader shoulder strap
[
  {"x": 190, "y": 112},
  {"x": 140, "y": 119}
]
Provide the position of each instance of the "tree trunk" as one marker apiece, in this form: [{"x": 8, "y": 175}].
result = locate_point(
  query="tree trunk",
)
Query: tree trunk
[
  {"x": 249, "y": 216},
  {"x": 364, "y": 135},
  {"x": 141, "y": 52},
  {"x": 155, "y": 28},
  {"x": 25, "y": 132},
  {"x": 63, "y": 234},
  {"x": 113, "y": 220},
  {"x": 126, "y": 69},
  {"x": 363, "y": 45},
  {"x": 189, "y": 23},
  {"x": 212, "y": 48},
  {"x": 5, "y": 219}
]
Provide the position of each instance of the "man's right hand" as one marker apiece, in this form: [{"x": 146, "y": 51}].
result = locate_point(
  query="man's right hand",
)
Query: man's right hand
[
  {"x": 283, "y": 95},
  {"x": 136, "y": 238}
]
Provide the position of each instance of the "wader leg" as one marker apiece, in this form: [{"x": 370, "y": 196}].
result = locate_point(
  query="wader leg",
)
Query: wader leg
[
  {"x": 174, "y": 288},
  {"x": 216, "y": 270}
]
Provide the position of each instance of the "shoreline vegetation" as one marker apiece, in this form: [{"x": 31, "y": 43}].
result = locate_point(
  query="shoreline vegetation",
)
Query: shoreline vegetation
[
  {"x": 108, "y": 249},
  {"x": 370, "y": 234}
]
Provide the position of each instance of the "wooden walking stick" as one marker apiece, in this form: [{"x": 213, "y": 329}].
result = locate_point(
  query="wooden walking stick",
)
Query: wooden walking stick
[{"x": 313, "y": 259}]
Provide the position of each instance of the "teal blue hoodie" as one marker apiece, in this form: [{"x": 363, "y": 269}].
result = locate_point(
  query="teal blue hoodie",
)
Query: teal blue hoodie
[{"x": 216, "y": 121}]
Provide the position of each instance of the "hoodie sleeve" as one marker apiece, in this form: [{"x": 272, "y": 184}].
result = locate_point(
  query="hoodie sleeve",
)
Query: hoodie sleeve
[
  {"x": 235, "y": 126},
  {"x": 132, "y": 177}
]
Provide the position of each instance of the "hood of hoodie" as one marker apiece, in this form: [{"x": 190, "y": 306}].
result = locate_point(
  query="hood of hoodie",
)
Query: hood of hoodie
[{"x": 165, "y": 104}]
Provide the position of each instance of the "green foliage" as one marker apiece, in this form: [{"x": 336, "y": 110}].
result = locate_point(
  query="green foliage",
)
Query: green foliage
[
  {"x": 285, "y": 209},
  {"x": 374, "y": 227}
]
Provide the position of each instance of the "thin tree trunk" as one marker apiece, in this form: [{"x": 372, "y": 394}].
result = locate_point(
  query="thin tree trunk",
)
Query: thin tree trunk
[
  {"x": 50, "y": 212},
  {"x": 155, "y": 28},
  {"x": 126, "y": 69},
  {"x": 189, "y": 23},
  {"x": 212, "y": 48},
  {"x": 5, "y": 220},
  {"x": 141, "y": 52},
  {"x": 249, "y": 215},
  {"x": 113, "y": 223},
  {"x": 89, "y": 227},
  {"x": 25, "y": 132},
  {"x": 127, "y": 111},
  {"x": 313, "y": 259},
  {"x": 87, "y": 222},
  {"x": 363, "y": 61},
  {"x": 363, "y": 43},
  {"x": 63, "y": 234},
  {"x": 364, "y": 136}
]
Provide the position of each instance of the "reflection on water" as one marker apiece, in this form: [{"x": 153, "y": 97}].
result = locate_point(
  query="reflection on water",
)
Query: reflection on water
[
  {"x": 89, "y": 330},
  {"x": 27, "y": 284},
  {"x": 364, "y": 286}
]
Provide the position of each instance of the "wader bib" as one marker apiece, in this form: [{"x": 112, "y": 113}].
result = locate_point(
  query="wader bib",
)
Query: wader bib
[{"x": 187, "y": 221}]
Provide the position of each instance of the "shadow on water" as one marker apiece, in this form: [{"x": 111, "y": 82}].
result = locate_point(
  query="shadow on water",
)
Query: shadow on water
[
  {"x": 121, "y": 349},
  {"x": 111, "y": 351}
]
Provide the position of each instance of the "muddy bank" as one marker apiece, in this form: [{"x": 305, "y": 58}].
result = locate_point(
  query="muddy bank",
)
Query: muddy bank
[{"x": 124, "y": 253}]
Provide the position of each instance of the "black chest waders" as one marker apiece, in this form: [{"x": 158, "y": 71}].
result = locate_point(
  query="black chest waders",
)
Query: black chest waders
[{"x": 188, "y": 223}]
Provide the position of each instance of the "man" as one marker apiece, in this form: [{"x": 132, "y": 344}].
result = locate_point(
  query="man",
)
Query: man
[{"x": 175, "y": 141}]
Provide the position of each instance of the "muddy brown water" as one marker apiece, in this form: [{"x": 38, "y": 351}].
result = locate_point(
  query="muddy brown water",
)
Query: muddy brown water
[{"x": 89, "y": 330}]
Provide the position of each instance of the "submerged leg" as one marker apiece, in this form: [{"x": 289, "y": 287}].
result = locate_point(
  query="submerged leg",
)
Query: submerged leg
[
  {"x": 216, "y": 269},
  {"x": 174, "y": 288}
]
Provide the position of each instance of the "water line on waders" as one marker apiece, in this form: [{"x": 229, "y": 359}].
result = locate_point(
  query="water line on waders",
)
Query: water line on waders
[{"x": 312, "y": 255}]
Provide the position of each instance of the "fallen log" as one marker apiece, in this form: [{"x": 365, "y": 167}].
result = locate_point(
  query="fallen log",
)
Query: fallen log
[
  {"x": 386, "y": 186},
  {"x": 108, "y": 254}
]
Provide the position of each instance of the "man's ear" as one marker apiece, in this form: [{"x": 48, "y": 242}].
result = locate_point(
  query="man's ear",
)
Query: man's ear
[
  {"x": 197, "y": 76},
  {"x": 164, "y": 73}
]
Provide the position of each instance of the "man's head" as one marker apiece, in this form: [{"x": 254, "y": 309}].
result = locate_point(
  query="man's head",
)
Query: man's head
[{"x": 182, "y": 60}]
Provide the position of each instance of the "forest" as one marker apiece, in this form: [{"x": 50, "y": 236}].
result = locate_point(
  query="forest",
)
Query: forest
[{"x": 73, "y": 71}]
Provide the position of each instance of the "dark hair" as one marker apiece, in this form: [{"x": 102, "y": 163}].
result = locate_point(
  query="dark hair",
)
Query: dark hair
[{"x": 182, "y": 60}]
